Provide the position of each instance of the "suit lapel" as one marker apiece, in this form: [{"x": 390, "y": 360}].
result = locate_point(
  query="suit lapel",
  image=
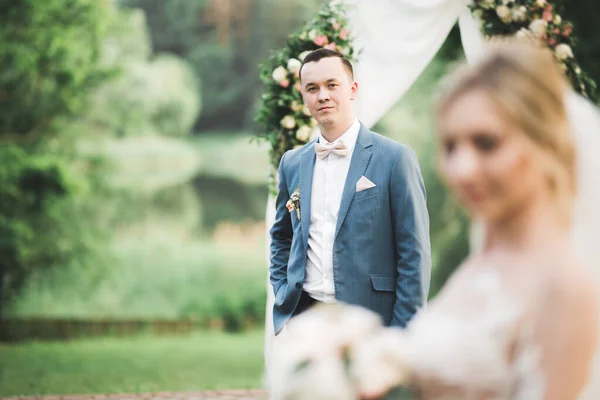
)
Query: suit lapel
[
  {"x": 358, "y": 165},
  {"x": 307, "y": 166}
]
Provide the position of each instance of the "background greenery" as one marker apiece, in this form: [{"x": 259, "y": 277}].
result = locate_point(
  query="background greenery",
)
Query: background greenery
[{"x": 129, "y": 186}]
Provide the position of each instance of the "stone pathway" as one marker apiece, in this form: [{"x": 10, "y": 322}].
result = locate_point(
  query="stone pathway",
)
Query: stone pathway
[{"x": 205, "y": 395}]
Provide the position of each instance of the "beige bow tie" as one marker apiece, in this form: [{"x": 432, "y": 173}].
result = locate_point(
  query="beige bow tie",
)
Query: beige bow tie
[{"x": 336, "y": 147}]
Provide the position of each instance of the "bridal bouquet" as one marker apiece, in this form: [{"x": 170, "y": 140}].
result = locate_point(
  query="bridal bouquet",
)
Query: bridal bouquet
[{"x": 339, "y": 352}]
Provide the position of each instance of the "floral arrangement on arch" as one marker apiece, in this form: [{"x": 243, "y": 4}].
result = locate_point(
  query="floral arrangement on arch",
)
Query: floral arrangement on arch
[
  {"x": 540, "y": 20},
  {"x": 285, "y": 121}
]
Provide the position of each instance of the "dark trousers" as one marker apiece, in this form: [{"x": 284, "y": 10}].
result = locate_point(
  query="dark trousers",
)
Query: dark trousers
[{"x": 304, "y": 304}]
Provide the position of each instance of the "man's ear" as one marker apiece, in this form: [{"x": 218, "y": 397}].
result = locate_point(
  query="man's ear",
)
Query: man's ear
[{"x": 354, "y": 90}]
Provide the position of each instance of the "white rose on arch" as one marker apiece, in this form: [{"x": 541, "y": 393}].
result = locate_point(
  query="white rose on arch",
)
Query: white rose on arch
[
  {"x": 519, "y": 14},
  {"x": 279, "y": 74},
  {"x": 539, "y": 27},
  {"x": 304, "y": 54},
  {"x": 504, "y": 13},
  {"x": 288, "y": 122},
  {"x": 294, "y": 66},
  {"x": 303, "y": 134},
  {"x": 563, "y": 51}
]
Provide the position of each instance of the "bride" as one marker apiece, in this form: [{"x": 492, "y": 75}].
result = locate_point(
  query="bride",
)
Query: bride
[{"x": 518, "y": 319}]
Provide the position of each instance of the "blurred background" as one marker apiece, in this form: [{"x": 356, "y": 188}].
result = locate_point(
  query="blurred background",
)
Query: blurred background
[{"x": 132, "y": 198}]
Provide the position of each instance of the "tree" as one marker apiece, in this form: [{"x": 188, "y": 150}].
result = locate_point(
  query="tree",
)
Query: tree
[{"x": 49, "y": 52}]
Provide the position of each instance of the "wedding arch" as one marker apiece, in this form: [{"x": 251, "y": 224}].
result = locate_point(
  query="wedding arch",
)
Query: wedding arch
[{"x": 391, "y": 42}]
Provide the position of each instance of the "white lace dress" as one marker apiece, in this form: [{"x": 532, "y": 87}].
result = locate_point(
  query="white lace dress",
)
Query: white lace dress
[{"x": 478, "y": 345}]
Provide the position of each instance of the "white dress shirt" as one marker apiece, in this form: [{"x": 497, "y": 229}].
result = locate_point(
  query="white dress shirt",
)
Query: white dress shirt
[{"x": 329, "y": 177}]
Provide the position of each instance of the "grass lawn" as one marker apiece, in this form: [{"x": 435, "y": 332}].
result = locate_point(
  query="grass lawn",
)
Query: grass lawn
[{"x": 201, "y": 361}]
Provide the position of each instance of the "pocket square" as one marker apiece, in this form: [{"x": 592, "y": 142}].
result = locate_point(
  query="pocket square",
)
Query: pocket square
[{"x": 363, "y": 184}]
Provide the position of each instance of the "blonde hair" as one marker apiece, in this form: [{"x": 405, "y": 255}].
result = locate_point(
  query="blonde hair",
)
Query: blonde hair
[{"x": 525, "y": 83}]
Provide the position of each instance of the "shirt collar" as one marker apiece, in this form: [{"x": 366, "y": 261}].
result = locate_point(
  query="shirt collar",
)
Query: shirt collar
[{"x": 348, "y": 138}]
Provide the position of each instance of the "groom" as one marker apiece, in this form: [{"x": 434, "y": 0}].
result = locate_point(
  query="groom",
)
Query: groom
[{"x": 351, "y": 223}]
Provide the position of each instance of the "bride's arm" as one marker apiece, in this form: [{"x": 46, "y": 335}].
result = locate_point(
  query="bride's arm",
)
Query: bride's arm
[{"x": 569, "y": 340}]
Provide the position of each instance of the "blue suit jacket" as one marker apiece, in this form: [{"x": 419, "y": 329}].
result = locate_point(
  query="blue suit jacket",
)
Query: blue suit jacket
[{"x": 381, "y": 251}]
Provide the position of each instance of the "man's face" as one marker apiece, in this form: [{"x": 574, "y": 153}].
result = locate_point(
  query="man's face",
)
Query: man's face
[{"x": 328, "y": 91}]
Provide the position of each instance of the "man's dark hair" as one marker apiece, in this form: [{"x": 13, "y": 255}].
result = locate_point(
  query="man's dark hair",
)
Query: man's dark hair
[{"x": 321, "y": 53}]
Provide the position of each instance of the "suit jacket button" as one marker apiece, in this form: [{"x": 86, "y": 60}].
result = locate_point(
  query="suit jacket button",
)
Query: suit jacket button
[{"x": 299, "y": 285}]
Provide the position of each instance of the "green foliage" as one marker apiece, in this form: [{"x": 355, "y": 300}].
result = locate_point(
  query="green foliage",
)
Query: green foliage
[
  {"x": 157, "y": 274},
  {"x": 35, "y": 202},
  {"x": 228, "y": 71},
  {"x": 151, "y": 95},
  {"x": 49, "y": 51},
  {"x": 201, "y": 361},
  {"x": 585, "y": 15},
  {"x": 557, "y": 32}
]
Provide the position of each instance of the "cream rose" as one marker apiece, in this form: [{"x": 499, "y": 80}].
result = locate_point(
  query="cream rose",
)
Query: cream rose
[
  {"x": 279, "y": 74},
  {"x": 294, "y": 65},
  {"x": 288, "y": 122},
  {"x": 304, "y": 54},
  {"x": 540, "y": 3},
  {"x": 563, "y": 51},
  {"x": 519, "y": 14},
  {"x": 504, "y": 14},
  {"x": 303, "y": 134},
  {"x": 539, "y": 27},
  {"x": 306, "y": 111},
  {"x": 557, "y": 19}
]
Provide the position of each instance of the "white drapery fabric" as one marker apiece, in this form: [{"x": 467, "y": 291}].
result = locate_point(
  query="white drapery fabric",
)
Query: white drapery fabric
[{"x": 399, "y": 38}]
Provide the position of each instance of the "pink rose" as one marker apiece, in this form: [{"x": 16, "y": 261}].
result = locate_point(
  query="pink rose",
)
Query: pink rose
[
  {"x": 344, "y": 34},
  {"x": 284, "y": 83},
  {"x": 547, "y": 16},
  {"x": 552, "y": 42},
  {"x": 336, "y": 25},
  {"x": 321, "y": 40},
  {"x": 330, "y": 46},
  {"x": 556, "y": 31}
]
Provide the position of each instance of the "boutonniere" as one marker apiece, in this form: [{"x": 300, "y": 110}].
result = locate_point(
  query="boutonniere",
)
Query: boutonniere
[{"x": 294, "y": 203}]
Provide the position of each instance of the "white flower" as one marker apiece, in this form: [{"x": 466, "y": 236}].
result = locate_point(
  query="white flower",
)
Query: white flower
[
  {"x": 303, "y": 134},
  {"x": 504, "y": 13},
  {"x": 294, "y": 65},
  {"x": 519, "y": 14},
  {"x": 304, "y": 54},
  {"x": 507, "y": 2},
  {"x": 487, "y": 4},
  {"x": 540, "y": 3},
  {"x": 303, "y": 35},
  {"x": 577, "y": 70},
  {"x": 296, "y": 106},
  {"x": 563, "y": 51},
  {"x": 313, "y": 122},
  {"x": 279, "y": 74},
  {"x": 557, "y": 19},
  {"x": 288, "y": 122},
  {"x": 539, "y": 27},
  {"x": 306, "y": 111},
  {"x": 312, "y": 34}
]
